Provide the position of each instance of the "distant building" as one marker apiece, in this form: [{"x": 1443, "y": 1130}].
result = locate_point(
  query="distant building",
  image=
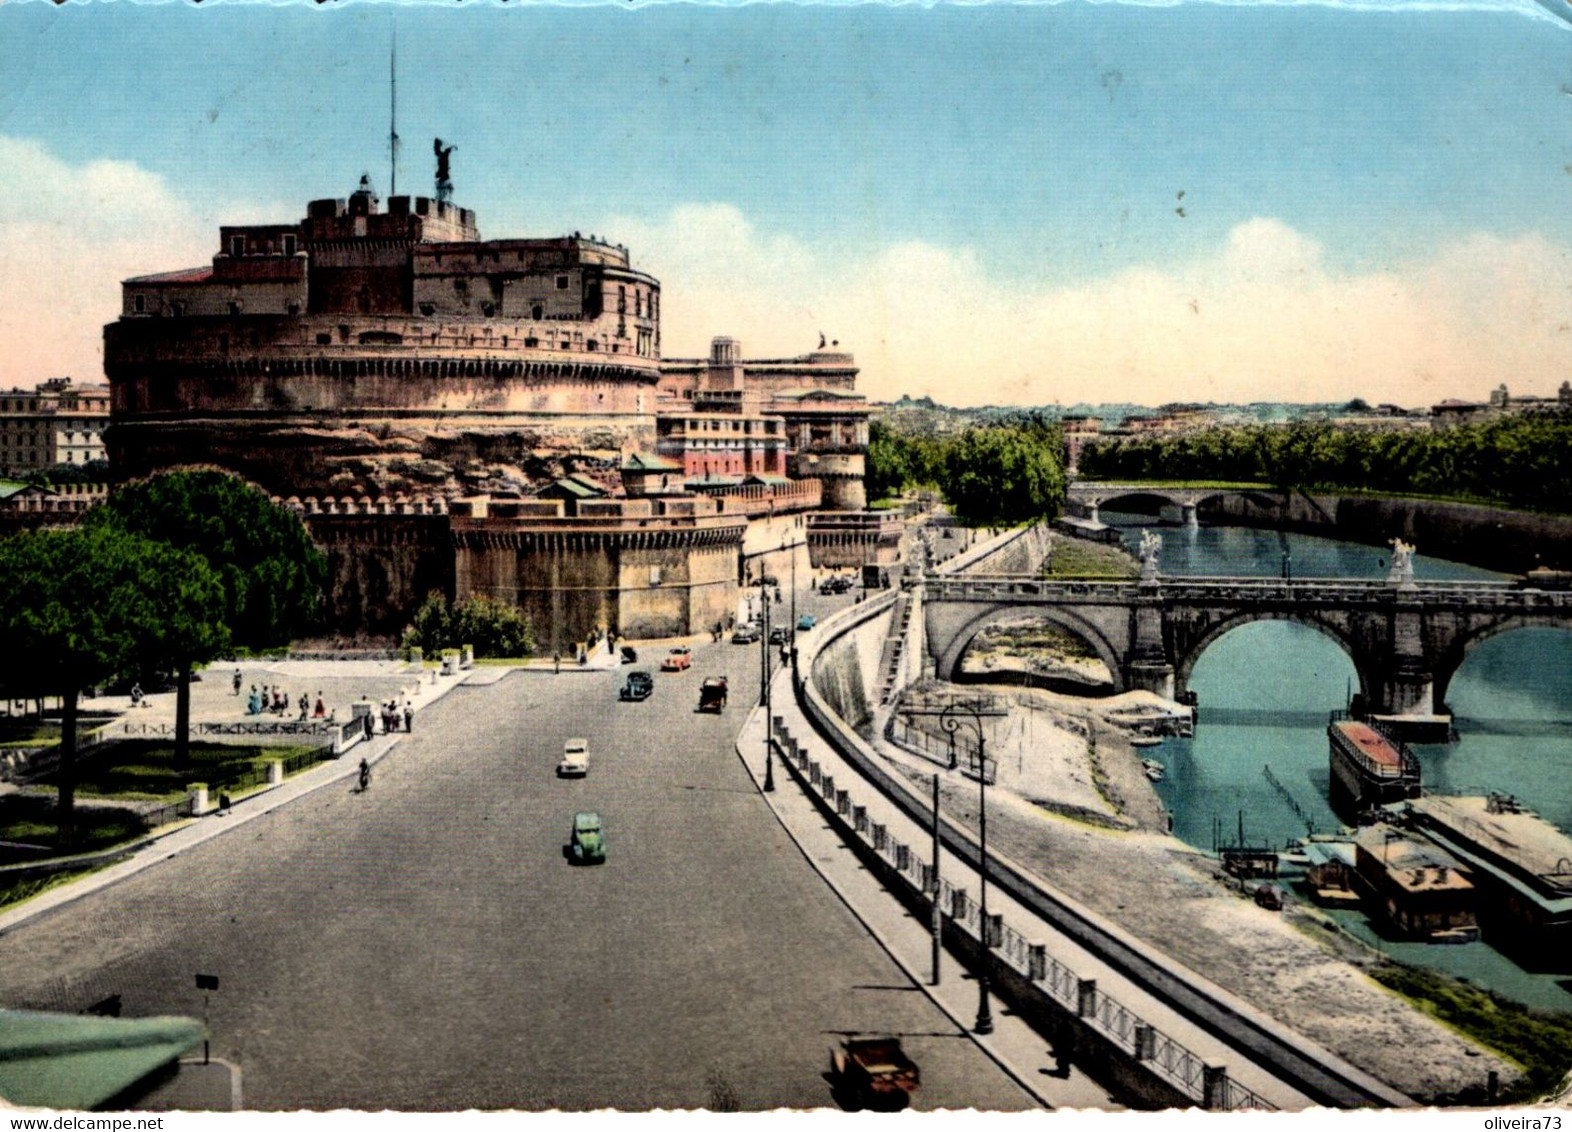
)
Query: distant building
[
  {"x": 59, "y": 422},
  {"x": 1500, "y": 404},
  {"x": 715, "y": 413},
  {"x": 1078, "y": 433}
]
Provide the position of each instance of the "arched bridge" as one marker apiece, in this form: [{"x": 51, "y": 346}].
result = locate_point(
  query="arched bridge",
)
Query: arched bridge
[
  {"x": 1405, "y": 640},
  {"x": 1177, "y": 503}
]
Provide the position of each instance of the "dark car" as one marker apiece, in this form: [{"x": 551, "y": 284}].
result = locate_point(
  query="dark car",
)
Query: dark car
[
  {"x": 745, "y": 634},
  {"x": 778, "y": 635},
  {"x": 638, "y": 686}
]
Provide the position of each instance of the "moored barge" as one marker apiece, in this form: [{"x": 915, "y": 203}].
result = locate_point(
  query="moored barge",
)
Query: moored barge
[{"x": 1369, "y": 768}]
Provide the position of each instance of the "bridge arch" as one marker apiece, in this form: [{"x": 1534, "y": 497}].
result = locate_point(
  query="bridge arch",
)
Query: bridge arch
[
  {"x": 1185, "y": 663},
  {"x": 949, "y": 662},
  {"x": 1450, "y": 661},
  {"x": 1163, "y": 498}
]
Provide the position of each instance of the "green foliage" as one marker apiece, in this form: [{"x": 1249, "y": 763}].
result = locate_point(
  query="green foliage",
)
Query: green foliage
[
  {"x": 1007, "y": 472},
  {"x": 59, "y": 475},
  {"x": 897, "y": 461},
  {"x": 492, "y": 627},
  {"x": 1523, "y": 461},
  {"x": 1538, "y": 1040},
  {"x": 1005, "y": 475},
  {"x": 272, "y": 575},
  {"x": 84, "y": 603}
]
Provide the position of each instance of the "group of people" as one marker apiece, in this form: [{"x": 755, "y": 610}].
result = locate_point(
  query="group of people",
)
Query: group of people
[
  {"x": 392, "y": 716},
  {"x": 271, "y": 699}
]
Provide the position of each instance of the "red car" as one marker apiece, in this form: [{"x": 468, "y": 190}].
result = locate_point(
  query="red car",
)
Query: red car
[{"x": 679, "y": 659}]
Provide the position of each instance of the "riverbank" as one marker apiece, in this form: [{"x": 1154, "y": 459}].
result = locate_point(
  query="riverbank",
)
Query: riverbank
[{"x": 1288, "y": 964}]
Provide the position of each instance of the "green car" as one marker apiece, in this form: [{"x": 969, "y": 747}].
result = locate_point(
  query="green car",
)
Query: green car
[{"x": 587, "y": 844}]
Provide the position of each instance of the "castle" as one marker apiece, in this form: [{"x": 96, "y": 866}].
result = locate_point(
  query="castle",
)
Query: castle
[{"x": 486, "y": 417}]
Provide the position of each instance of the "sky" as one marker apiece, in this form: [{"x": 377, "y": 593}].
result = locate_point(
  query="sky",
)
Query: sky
[{"x": 997, "y": 203}]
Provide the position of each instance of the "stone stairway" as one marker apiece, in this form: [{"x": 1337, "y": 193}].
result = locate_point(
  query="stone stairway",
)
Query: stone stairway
[{"x": 894, "y": 649}]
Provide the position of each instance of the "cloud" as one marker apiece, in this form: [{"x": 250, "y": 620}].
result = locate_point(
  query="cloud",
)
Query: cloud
[
  {"x": 1260, "y": 316},
  {"x": 68, "y": 235}
]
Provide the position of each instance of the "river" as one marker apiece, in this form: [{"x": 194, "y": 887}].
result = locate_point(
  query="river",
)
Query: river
[{"x": 1265, "y": 690}]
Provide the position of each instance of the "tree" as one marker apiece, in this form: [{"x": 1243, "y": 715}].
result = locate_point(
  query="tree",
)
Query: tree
[
  {"x": 1005, "y": 474},
  {"x": 492, "y": 627},
  {"x": 270, "y": 572},
  {"x": 84, "y": 603}
]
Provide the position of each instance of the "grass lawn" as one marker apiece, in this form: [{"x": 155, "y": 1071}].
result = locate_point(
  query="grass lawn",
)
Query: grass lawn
[
  {"x": 145, "y": 770},
  {"x": 28, "y": 731},
  {"x": 34, "y": 821},
  {"x": 16, "y": 891},
  {"x": 1077, "y": 558}
]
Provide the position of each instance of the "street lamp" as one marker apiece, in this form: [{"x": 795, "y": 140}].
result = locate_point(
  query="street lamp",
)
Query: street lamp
[
  {"x": 764, "y": 694},
  {"x": 950, "y": 723}
]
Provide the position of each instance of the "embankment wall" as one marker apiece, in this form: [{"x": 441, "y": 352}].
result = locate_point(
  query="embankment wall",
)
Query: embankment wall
[{"x": 1510, "y": 541}]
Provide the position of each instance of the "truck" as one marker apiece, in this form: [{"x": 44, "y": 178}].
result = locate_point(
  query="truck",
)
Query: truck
[
  {"x": 712, "y": 694},
  {"x": 874, "y": 1073}
]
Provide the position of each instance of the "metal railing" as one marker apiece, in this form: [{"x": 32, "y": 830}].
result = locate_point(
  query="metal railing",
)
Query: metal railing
[{"x": 1171, "y": 1060}]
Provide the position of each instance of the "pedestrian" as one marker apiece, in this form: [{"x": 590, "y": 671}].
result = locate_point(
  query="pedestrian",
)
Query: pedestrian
[
  {"x": 236, "y": 681},
  {"x": 305, "y": 707},
  {"x": 1063, "y": 1049},
  {"x": 409, "y": 716},
  {"x": 371, "y": 724},
  {"x": 136, "y": 695},
  {"x": 556, "y": 661},
  {"x": 321, "y": 709},
  {"x": 365, "y": 775},
  {"x": 253, "y": 704}
]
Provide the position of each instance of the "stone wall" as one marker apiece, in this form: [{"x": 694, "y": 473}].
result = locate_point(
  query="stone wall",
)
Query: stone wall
[
  {"x": 380, "y": 568},
  {"x": 1510, "y": 541}
]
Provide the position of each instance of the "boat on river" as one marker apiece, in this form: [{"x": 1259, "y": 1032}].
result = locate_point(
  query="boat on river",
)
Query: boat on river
[
  {"x": 1154, "y": 769},
  {"x": 1369, "y": 767}
]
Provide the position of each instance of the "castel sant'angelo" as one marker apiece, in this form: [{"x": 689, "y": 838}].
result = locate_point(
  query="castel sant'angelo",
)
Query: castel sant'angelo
[{"x": 489, "y": 417}]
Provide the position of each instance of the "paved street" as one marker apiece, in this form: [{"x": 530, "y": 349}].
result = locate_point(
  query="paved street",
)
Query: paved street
[{"x": 425, "y": 945}]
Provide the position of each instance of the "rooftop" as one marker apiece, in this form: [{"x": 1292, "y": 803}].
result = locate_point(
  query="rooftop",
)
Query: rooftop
[
  {"x": 1524, "y": 840},
  {"x": 73, "y": 1061}
]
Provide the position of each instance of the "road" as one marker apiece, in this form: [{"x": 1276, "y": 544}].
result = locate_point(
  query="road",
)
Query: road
[{"x": 426, "y": 946}]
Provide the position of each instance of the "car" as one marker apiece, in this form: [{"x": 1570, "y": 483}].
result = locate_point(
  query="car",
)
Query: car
[
  {"x": 806, "y": 622},
  {"x": 745, "y": 634},
  {"x": 638, "y": 685},
  {"x": 679, "y": 659},
  {"x": 712, "y": 694},
  {"x": 842, "y": 584},
  {"x": 778, "y": 635},
  {"x": 587, "y": 841},
  {"x": 575, "y": 759}
]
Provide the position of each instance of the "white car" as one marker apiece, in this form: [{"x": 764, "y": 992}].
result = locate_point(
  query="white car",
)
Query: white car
[{"x": 575, "y": 759}]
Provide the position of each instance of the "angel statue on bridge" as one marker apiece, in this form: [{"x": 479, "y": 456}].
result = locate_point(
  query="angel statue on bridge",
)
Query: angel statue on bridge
[
  {"x": 1151, "y": 547},
  {"x": 1402, "y": 572}
]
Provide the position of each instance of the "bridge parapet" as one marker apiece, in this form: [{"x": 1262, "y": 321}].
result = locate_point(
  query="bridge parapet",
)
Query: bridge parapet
[{"x": 1404, "y": 640}]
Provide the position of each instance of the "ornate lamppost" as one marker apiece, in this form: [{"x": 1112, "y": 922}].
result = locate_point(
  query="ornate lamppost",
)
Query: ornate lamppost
[
  {"x": 951, "y": 723},
  {"x": 764, "y": 693}
]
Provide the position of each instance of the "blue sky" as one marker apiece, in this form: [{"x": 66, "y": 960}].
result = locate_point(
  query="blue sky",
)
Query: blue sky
[{"x": 982, "y": 201}]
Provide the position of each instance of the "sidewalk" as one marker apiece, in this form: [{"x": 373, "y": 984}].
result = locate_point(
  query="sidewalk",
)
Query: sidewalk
[
  {"x": 882, "y": 912},
  {"x": 1018, "y": 1049}
]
